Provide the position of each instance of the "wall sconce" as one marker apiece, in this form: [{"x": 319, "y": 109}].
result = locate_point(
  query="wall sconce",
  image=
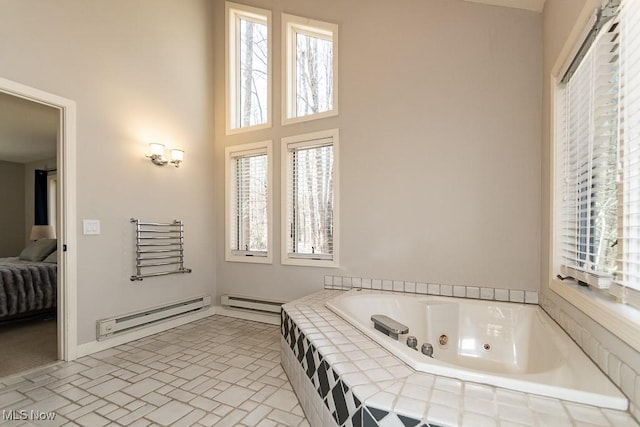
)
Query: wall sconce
[{"x": 157, "y": 155}]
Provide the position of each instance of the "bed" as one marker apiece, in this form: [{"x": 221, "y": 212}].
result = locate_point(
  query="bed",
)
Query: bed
[{"x": 28, "y": 283}]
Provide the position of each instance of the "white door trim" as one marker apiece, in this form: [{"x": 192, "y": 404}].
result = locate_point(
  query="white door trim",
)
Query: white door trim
[{"x": 66, "y": 230}]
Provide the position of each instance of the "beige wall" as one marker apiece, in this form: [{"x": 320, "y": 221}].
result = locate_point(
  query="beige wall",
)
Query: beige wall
[
  {"x": 138, "y": 70},
  {"x": 439, "y": 122},
  {"x": 12, "y": 213}
]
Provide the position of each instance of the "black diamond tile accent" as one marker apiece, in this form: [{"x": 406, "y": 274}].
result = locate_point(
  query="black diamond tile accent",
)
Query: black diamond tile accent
[
  {"x": 311, "y": 364},
  {"x": 292, "y": 336},
  {"x": 283, "y": 322},
  {"x": 378, "y": 414},
  {"x": 356, "y": 419},
  {"x": 368, "y": 420},
  {"x": 408, "y": 422},
  {"x": 357, "y": 401},
  {"x": 341, "y": 404},
  {"x": 322, "y": 378},
  {"x": 300, "y": 347}
]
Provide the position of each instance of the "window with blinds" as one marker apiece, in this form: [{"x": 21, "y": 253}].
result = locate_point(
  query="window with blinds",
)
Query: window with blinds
[
  {"x": 310, "y": 203},
  {"x": 249, "y": 67},
  {"x": 598, "y": 156},
  {"x": 248, "y": 203}
]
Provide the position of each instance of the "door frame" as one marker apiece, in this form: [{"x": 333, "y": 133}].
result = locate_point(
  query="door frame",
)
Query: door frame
[{"x": 66, "y": 231}]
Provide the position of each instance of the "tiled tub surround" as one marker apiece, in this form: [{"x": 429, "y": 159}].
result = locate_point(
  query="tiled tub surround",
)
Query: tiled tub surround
[
  {"x": 344, "y": 283},
  {"x": 604, "y": 348},
  {"x": 342, "y": 377}
]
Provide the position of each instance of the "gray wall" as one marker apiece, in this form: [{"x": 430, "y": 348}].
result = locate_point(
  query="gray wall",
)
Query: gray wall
[
  {"x": 440, "y": 116},
  {"x": 138, "y": 70},
  {"x": 440, "y": 139},
  {"x": 12, "y": 214}
]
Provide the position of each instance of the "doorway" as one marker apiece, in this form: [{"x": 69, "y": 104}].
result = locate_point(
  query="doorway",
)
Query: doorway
[{"x": 60, "y": 207}]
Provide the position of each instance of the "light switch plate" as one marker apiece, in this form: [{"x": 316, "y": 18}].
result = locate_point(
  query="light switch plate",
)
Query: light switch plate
[{"x": 90, "y": 226}]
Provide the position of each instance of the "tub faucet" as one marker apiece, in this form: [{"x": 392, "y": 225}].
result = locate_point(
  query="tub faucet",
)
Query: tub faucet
[
  {"x": 427, "y": 349},
  {"x": 388, "y": 326}
]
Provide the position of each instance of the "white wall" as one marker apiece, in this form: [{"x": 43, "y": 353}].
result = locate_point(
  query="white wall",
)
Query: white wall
[
  {"x": 138, "y": 70},
  {"x": 12, "y": 213},
  {"x": 440, "y": 109}
]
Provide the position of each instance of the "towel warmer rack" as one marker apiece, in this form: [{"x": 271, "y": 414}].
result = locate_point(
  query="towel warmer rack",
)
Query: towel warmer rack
[{"x": 158, "y": 247}]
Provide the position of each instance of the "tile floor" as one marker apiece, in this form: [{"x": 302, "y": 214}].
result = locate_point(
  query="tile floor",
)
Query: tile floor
[{"x": 216, "y": 371}]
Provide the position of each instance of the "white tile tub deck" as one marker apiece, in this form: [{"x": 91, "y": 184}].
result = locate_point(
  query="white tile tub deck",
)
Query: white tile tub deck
[
  {"x": 381, "y": 381},
  {"x": 217, "y": 371}
]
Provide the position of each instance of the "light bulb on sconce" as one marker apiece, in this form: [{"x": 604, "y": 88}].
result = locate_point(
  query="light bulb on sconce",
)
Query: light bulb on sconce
[
  {"x": 156, "y": 154},
  {"x": 176, "y": 157}
]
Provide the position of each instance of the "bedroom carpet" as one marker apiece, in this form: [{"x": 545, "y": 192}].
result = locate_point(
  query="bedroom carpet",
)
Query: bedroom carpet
[{"x": 26, "y": 345}]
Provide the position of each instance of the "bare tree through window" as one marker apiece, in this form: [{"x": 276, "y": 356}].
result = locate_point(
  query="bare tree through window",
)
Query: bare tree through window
[{"x": 253, "y": 73}]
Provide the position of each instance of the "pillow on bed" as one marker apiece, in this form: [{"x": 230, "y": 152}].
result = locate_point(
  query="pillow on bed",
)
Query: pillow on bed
[
  {"x": 52, "y": 258},
  {"x": 38, "y": 250}
]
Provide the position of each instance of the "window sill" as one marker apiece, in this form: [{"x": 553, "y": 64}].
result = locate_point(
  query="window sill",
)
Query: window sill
[
  {"x": 308, "y": 262},
  {"x": 316, "y": 116},
  {"x": 248, "y": 259},
  {"x": 620, "y": 319},
  {"x": 235, "y": 131}
]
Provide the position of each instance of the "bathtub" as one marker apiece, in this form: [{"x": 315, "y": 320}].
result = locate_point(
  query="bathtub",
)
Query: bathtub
[{"x": 514, "y": 346}]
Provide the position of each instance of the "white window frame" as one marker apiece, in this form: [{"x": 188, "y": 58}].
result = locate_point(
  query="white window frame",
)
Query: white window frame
[
  {"x": 309, "y": 139},
  {"x": 234, "y": 12},
  {"x": 604, "y": 307},
  {"x": 232, "y": 152},
  {"x": 292, "y": 25}
]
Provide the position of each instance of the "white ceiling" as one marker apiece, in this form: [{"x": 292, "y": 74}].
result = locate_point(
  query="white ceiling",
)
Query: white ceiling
[
  {"x": 535, "y": 5},
  {"x": 28, "y": 130}
]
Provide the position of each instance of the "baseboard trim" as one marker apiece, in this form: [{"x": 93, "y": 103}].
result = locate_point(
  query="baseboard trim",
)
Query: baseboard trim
[
  {"x": 97, "y": 346},
  {"x": 248, "y": 315}
]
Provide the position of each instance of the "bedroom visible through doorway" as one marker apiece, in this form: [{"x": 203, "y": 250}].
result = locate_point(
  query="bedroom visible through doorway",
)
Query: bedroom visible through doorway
[
  {"x": 29, "y": 133},
  {"x": 67, "y": 251}
]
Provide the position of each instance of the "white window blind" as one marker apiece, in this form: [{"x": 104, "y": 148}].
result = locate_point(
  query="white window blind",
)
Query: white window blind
[
  {"x": 310, "y": 199},
  {"x": 598, "y": 130},
  {"x": 249, "y": 226},
  {"x": 629, "y": 215}
]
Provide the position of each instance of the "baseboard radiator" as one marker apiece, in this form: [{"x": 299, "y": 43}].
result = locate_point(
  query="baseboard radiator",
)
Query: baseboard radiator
[
  {"x": 107, "y": 328},
  {"x": 256, "y": 305}
]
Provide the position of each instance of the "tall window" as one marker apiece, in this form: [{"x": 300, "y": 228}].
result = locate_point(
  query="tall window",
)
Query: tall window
[
  {"x": 310, "y": 204},
  {"x": 311, "y": 64},
  {"x": 248, "y": 201},
  {"x": 598, "y": 156},
  {"x": 248, "y": 68}
]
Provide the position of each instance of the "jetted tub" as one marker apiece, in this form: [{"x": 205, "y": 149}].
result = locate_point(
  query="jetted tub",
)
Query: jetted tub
[{"x": 514, "y": 346}]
